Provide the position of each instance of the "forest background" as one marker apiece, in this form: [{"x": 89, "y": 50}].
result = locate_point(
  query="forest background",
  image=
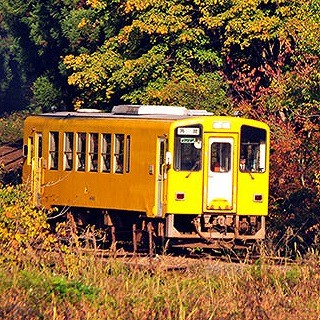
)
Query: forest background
[{"x": 259, "y": 59}]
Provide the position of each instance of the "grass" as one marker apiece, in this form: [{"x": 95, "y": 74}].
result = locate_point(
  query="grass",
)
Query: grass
[{"x": 78, "y": 286}]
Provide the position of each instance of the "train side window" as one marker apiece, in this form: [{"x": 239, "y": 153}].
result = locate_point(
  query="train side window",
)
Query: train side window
[
  {"x": 39, "y": 138},
  {"x": 162, "y": 154},
  {"x": 118, "y": 153},
  {"x": 81, "y": 151},
  {"x": 93, "y": 152},
  {"x": 68, "y": 150},
  {"x": 53, "y": 150},
  {"x": 106, "y": 152},
  {"x": 252, "y": 149},
  {"x": 128, "y": 147},
  {"x": 220, "y": 157},
  {"x": 30, "y": 150}
]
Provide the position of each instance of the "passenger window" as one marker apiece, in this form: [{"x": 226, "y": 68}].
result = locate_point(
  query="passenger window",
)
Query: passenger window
[
  {"x": 39, "y": 142},
  {"x": 252, "y": 149},
  {"x": 220, "y": 160},
  {"x": 68, "y": 150},
  {"x": 93, "y": 152},
  {"x": 31, "y": 150},
  {"x": 106, "y": 152},
  {"x": 81, "y": 151},
  {"x": 162, "y": 154},
  {"x": 128, "y": 147},
  {"x": 118, "y": 153},
  {"x": 53, "y": 150}
]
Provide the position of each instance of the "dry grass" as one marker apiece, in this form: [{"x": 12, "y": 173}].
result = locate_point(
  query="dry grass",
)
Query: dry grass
[{"x": 77, "y": 286}]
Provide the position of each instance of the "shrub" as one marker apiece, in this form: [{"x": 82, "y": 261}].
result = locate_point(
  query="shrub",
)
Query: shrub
[{"x": 22, "y": 227}]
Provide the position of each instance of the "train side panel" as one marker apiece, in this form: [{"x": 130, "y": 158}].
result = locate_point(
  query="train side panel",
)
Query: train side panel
[{"x": 133, "y": 190}]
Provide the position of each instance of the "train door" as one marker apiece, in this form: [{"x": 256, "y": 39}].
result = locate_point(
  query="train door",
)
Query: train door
[
  {"x": 219, "y": 174},
  {"x": 36, "y": 168},
  {"x": 161, "y": 176}
]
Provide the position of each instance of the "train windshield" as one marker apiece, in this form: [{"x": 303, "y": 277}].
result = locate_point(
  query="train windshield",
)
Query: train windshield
[
  {"x": 188, "y": 148},
  {"x": 253, "y": 149}
]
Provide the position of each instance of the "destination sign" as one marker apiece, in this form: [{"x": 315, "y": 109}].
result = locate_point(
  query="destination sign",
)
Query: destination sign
[{"x": 188, "y": 131}]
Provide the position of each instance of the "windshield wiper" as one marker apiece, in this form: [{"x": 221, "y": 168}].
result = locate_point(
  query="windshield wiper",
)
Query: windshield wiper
[{"x": 195, "y": 166}]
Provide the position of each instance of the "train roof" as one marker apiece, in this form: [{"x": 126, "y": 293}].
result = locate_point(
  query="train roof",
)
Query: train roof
[
  {"x": 156, "y": 113},
  {"x": 133, "y": 111}
]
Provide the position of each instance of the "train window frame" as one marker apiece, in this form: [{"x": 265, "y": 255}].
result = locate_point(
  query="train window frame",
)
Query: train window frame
[
  {"x": 105, "y": 155},
  {"x": 68, "y": 149},
  {"x": 252, "y": 149},
  {"x": 54, "y": 150},
  {"x": 81, "y": 151},
  {"x": 118, "y": 162},
  {"x": 221, "y": 160},
  {"x": 93, "y": 151},
  {"x": 185, "y": 137}
]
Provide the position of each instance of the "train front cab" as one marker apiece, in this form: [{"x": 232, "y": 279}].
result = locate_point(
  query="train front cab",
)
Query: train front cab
[{"x": 218, "y": 180}]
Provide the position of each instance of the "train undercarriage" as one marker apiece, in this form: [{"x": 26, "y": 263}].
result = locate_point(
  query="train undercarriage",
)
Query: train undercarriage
[{"x": 114, "y": 229}]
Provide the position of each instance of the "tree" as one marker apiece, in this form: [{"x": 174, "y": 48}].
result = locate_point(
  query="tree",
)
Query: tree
[
  {"x": 35, "y": 35},
  {"x": 293, "y": 98},
  {"x": 12, "y": 75},
  {"x": 160, "y": 54}
]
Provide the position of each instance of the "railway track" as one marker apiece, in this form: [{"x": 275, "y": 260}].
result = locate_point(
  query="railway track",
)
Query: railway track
[
  {"x": 214, "y": 262},
  {"x": 152, "y": 264},
  {"x": 11, "y": 162},
  {"x": 11, "y": 155}
]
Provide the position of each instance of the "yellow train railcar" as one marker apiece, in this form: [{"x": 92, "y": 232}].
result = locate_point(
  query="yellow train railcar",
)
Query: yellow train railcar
[{"x": 177, "y": 174}]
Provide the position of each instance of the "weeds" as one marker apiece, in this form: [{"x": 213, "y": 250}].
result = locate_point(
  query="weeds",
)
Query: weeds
[{"x": 99, "y": 288}]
